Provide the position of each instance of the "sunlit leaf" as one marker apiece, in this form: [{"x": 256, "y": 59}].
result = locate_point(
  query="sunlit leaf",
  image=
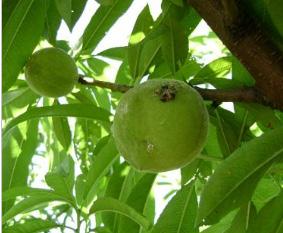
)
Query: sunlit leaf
[
  {"x": 113, "y": 205},
  {"x": 27, "y": 205},
  {"x": 24, "y": 27},
  {"x": 101, "y": 22},
  {"x": 31, "y": 226},
  {"x": 141, "y": 28},
  {"x": 180, "y": 213},
  {"x": 68, "y": 110}
]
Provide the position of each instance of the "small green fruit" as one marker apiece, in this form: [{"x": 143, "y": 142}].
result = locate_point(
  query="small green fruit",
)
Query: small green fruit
[
  {"x": 160, "y": 125},
  {"x": 51, "y": 72}
]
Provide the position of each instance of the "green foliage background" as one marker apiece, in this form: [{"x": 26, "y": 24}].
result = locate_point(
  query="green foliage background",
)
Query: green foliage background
[{"x": 235, "y": 185}]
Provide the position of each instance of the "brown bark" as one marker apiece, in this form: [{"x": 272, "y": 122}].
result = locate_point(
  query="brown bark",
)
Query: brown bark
[{"x": 245, "y": 38}]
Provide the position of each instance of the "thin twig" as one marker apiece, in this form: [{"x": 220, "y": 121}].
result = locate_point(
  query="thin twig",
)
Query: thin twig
[
  {"x": 232, "y": 95},
  {"x": 108, "y": 85}
]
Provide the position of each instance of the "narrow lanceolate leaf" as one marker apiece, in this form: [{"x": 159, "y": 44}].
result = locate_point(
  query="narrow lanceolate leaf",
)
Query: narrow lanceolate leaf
[
  {"x": 174, "y": 44},
  {"x": 141, "y": 28},
  {"x": 148, "y": 53},
  {"x": 114, "y": 205},
  {"x": 77, "y": 9},
  {"x": 20, "y": 36},
  {"x": 242, "y": 219},
  {"x": 116, "y": 53},
  {"x": 17, "y": 170},
  {"x": 27, "y": 205},
  {"x": 29, "y": 192},
  {"x": 180, "y": 213},
  {"x": 234, "y": 181},
  {"x": 62, "y": 130},
  {"x": 137, "y": 199},
  {"x": 113, "y": 189},
  {"x": 31, "y": 226},
  {"x": 64, "y": 7},
  {"x": 101, "y": 22},
  {"x": 270, "y": 217},
  {"x": 67, "y": 110},
  {"x": 100, "y": 166},
  {"x": 52, "y": 22},
  {"x": 7, "y": 9}
]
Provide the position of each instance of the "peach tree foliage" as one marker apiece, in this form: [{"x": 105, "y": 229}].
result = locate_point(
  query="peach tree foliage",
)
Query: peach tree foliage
[{"x": 233, "y": 185}]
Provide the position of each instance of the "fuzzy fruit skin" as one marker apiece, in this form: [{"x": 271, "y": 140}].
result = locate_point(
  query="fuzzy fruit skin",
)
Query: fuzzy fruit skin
[
  {"x": 156, "y": 136},
  {"x": 51, "y": 72}
]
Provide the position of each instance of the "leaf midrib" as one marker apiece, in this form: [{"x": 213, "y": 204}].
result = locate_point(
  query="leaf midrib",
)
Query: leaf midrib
[
  {"x": 184, "y": 209},
  {"x": 18, "y": 26},
  {"x": 101, "y": 22},
  {"x": 248, "y": 176}
]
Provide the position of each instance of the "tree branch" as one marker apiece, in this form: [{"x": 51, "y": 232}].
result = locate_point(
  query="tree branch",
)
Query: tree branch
[
  {"x": 232, "y": 95},
  {"x": 250, "y": 44},
  {"x": 112, "y": 86}
]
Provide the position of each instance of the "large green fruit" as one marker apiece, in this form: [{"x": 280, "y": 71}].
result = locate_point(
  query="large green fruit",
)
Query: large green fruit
[
  {"x": 51, "y": 72},
  {"x": 160, "y": 125}
]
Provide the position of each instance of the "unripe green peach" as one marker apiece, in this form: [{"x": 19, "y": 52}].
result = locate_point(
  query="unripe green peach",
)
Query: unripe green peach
[
  {"x": 160, "y": 125},
  {"x": 51, "y": 72}
]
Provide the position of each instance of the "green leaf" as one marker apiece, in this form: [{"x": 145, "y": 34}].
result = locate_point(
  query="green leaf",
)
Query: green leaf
[
  {"x": 266, "y": 189},
  {"x": 113, "y": 190},
  {"x": 117, "y": 53},
  {"x": 27, "y": 191},
  {"x": 240, "y": 73},
  {"x": 223, "y": 225},
  {"x": 64, "y": 7},
  {"x": 270, "y": 217},
  {"x": 18, "y": 98},
  {"x": 226, "y": 134},
  {"x": 31, "y": 226},
  {"x": 189, "y": 170},
  {"x": 242, "y": 219},
  {"x": 97, "y": 66},
  {"x": 28, "y": 204},
  {"x": 101, "y": 22},
  {"x": 235, "y": 179},
  {"x": 126, "y": 188},
  {"x": 61, "y": 180},
  {"x": 20, "y": 171},
  {"x": 52, "y": 22},
  {"x": 216, "y": 68},
  {"x": 62, "y": 130},
  {"x": 7, "y": 9},
  {"x": 23, "y": 30},
  {"x": 101, "y": 164},
  {"x": 17, "y": 171},
  {"x": 137, "y": 199},
  {"x": 113, "y": 205},
  {"x": 215, "y": 72},
  {"x": 174, "y": 44},
  {"x": 141, "y": 28},
  {"x": 67, "y": 110},
  {"x": 148, "y": 53},
  {"x": 179, "y": 214},
  {"x": 77, "y": 9}
]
